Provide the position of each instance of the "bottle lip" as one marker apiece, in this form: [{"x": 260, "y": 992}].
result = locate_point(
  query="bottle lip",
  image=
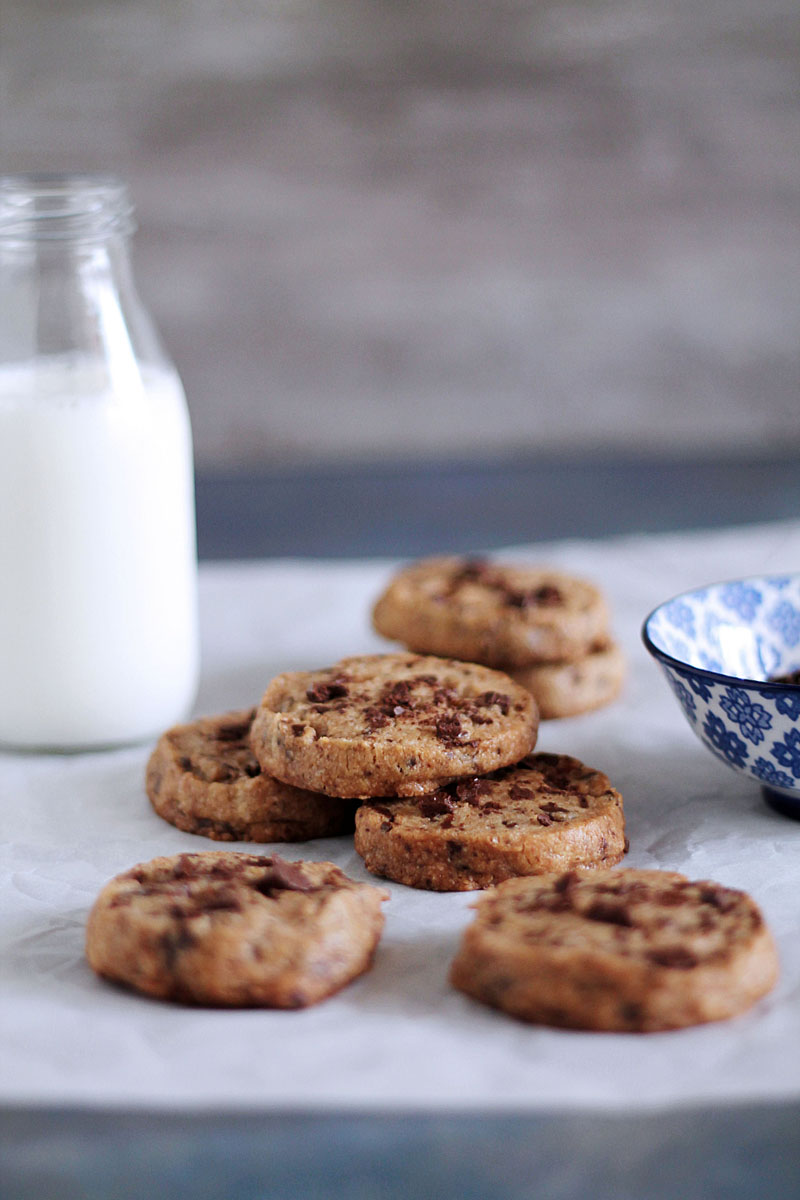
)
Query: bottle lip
[{"x": 64, "y": 206}]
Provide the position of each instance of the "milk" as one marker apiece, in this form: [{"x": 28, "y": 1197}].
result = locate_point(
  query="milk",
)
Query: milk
[{"x": 98, "y": 614}]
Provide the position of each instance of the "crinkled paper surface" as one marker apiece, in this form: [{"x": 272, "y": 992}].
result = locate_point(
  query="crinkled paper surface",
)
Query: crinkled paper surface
[{"x": 399, "y": 1037}]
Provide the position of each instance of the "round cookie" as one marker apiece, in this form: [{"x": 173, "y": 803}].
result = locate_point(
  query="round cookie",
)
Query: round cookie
[
  {"x": 548, "y": 813},
  {"x": 228, "y": 929},
  {"x": 502, "y": 615},
  {"x": 203, "y": 778},
  {"x": 566, "y": 689},
  {"x": 624, "y": 951},
  {"x": 391, "y": 724}
]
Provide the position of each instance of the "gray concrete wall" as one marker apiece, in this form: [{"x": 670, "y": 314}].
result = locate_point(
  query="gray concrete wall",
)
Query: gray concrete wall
[{"x": 376, "y": 227}]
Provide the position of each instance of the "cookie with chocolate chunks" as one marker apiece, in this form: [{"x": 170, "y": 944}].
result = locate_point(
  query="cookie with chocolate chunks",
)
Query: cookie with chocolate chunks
[
  {"x": 391, "y": 724},
  {"x": 203, "y": 778},
  {"x": 545, "y": 814},
  {"x": 566, "y": 689},
  {"x": 228, "y": 929},
  {"x": 505, "y": 616},
  {"x": 625, "y": 951}
]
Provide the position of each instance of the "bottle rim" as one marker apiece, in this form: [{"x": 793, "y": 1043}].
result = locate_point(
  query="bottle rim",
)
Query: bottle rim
[{"x": 64, "y": 206}]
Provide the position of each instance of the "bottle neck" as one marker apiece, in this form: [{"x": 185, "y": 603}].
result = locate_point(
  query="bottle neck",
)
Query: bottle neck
[
  {"x": 66, "y": 286},
  {"x": 63, "y": 208}
]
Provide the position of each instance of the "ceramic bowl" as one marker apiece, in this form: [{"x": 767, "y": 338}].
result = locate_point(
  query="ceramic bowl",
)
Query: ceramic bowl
[{"x": 725, "y": 650}]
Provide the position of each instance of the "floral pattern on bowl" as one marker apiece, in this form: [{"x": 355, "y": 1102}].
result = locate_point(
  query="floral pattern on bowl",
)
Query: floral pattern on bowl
[{"x": 724, "y": 649}]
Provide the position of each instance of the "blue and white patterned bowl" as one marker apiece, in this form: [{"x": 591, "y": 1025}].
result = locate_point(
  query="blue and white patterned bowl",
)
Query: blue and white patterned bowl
[{"x": 721, "y": 648}]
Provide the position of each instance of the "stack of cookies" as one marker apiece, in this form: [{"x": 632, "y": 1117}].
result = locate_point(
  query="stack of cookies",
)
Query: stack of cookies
[
  {"x": 548, "y": 630},
  {"x": 430, "y": 760}
]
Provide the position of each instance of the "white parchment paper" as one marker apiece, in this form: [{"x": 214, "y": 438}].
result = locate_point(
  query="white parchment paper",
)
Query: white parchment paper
[{"x": 399, "y": 1037}]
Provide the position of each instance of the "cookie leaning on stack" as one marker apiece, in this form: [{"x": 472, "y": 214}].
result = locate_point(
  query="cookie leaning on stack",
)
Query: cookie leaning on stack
[
  {"x": 440, "y": 752},
  {"x": 545, "y": 628},
  {"x": 391, "y": 725}
]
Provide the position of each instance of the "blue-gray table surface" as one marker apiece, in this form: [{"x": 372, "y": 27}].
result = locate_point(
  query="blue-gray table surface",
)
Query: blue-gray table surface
[{"x": 404, "y": 510}]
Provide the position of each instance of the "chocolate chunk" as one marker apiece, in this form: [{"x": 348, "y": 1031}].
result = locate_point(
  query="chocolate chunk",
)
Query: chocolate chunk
[
  {"x": 610, "y": 913},
  {"x": 217, "y": 901},
  {"x": 471, "y": 790},
  {"x": 321, "y": 693},
  {"x": 449, "y": 729},
  {"x": 375, "y": 718},
  {"x": 544, "y": 596},
  {"x": 720, "y": 898},
  {"x": 223, "y": 830},
  {"x": 436, "y": 804},
  {"x": 499, "y": 698},
  {"x": 395, "y": 700},
  {"x": 518, "y": 792},
  {"x": 674, "y": 956},
  {"x": 471, "y": 569},
  {"x": 282, "y": 876},
  {"x": 173, "y": 943},
  {"x": 237, "y": 731},
  {"x": 214, "y": 771},
  {"x": 398, "y": 694}
]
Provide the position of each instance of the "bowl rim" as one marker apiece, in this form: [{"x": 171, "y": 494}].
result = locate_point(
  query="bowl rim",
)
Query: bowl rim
[{"x": 714, "y": 676}]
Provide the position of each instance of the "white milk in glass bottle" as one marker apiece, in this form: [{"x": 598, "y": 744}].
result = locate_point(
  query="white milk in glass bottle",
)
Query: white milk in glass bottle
[{"x": 98, "y": 605}]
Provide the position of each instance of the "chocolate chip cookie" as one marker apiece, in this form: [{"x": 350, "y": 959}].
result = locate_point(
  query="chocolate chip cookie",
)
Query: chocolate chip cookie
[
  {"x": 203, "y": 778},
  {"x": 565, "y": 689},
  {"x": 504, "y": 616},
  {"x": 547, "y": 813},
  {"x": 220, "y": 928},
  {"x": 391, "y": 724},
  {"x": 625, "y": 951}
]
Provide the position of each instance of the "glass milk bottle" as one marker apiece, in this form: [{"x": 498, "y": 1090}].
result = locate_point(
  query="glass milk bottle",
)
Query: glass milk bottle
[{"x": 98, "y": 605}]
